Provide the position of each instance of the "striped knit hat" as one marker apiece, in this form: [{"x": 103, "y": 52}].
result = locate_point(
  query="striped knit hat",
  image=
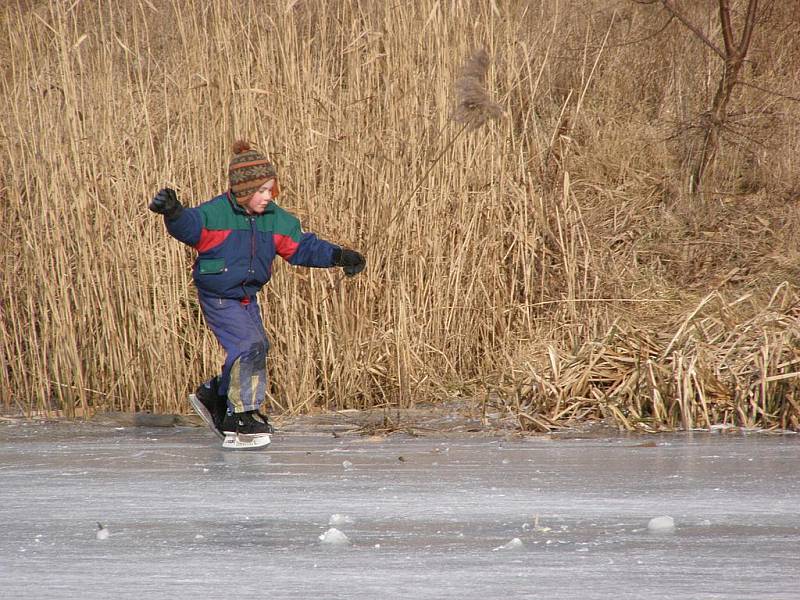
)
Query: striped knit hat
[{"x": 248, "y": 171}]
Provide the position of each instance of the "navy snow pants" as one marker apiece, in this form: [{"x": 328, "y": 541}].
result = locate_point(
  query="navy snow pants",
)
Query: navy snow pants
[{"x": 239, "y": 329}]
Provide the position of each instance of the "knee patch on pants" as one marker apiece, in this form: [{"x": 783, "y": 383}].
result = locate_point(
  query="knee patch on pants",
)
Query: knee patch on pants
[{"x": 248, "y": 378}]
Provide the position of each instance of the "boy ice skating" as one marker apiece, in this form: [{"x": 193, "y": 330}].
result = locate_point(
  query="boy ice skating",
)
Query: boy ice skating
[{"x": 237, "y": 235}]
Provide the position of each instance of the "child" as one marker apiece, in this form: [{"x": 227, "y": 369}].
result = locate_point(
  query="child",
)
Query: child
[{"x": 237, "y": 235}]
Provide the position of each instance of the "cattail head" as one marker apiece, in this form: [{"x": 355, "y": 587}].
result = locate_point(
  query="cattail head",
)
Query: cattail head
[{"x": 474, "y": 107}]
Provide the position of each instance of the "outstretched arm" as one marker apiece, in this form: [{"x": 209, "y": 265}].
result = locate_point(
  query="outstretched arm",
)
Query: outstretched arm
[{"x": 306, "y": 249}]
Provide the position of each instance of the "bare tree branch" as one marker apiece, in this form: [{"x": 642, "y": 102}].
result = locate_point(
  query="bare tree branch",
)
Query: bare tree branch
[
  {"x": 696, "y": 30},
  {"x": 749, "y": 25},
  {"x": 768, "y": 91},
  {"x": 752, "y": 140},
  {"x": 644, "y": 38},
  {"x": 649, "y": 36},
  {"x": 727, "y": 29}
]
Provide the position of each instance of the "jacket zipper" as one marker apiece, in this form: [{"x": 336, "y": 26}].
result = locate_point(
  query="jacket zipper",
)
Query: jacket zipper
[
  {"x": 250, "y": 271},
  {"x": 252, "y": 244}
]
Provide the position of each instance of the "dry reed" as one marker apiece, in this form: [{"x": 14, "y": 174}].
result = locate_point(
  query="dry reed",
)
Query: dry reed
[
  {"x": 526, "y": 242},
  {"x": 726, "y": 363}
]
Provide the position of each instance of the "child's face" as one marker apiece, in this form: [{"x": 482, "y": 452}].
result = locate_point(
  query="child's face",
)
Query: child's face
[{"x": 259, "y": 200}]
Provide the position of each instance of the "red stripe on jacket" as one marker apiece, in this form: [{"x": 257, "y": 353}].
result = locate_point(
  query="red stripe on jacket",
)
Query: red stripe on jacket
[
  {"x": 285, "y": 246},
  {"x": 211, "y": 238}
]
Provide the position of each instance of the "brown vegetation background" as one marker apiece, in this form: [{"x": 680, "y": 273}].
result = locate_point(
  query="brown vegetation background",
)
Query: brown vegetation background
[{"x": 553, "y": 264}]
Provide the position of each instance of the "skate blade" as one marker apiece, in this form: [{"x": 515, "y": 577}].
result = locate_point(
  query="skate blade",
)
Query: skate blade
[
  {"x": 243, "y": 441},
  {"x": 201, "y": 410}
]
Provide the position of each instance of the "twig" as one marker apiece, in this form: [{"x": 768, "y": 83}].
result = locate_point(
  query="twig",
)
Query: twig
[{"x": 768, "y": 91}]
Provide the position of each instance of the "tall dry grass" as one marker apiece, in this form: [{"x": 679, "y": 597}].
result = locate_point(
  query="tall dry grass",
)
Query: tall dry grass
[{"x": 525, "y": 243}]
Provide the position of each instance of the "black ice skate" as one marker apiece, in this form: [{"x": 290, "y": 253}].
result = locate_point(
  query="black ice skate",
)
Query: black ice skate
[
  {"x": 211, "y": 407},
  {"x": 246, "y": 430},
  {"x": 251, "y": 423}
]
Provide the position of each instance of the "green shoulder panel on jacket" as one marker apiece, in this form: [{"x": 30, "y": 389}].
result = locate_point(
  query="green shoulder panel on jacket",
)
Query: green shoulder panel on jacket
[
  {"x": 219, "y": 215},
  {"x": 280, "y": 222}
]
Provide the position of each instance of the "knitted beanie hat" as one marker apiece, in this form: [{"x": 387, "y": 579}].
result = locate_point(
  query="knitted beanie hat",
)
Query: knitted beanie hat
[{"x": 248, "y": 171}]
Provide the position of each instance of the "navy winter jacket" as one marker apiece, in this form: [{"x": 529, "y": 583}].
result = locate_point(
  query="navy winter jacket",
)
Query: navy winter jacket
[{"x": 236, "y": 250}]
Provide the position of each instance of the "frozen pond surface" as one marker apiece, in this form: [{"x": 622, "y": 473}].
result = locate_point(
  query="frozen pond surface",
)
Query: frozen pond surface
[{"x": 425, "y": 517}]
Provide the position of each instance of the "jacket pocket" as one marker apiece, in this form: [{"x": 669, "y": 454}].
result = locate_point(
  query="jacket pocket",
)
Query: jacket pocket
[{"x": 210, "y": 266}]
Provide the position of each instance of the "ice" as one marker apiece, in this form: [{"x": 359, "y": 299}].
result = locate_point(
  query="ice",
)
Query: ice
[
  {"x": 664, "y": 523},
  {"x": 514, "y": 544},
  {"x": 334, "y": 537},
  {"x": 188, "y": 520},
  {"x": 338, "y": 519}
]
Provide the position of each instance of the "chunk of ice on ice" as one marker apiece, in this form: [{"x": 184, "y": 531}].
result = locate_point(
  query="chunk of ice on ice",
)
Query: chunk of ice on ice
[
  {"x": 334, "y": 537},
  {"x": 661, "y": 524},
  {"x": 338, "y": 519},
  {"x": 514, "y": 544},
  {"x": 347, "y": 465}
]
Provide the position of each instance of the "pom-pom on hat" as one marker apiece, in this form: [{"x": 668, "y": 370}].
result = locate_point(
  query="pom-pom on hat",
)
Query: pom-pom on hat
[{"x": 248, "y": 171}]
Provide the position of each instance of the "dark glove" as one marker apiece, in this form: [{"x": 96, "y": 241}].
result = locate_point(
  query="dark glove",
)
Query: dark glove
[
  {"x": 165, "y": 202},
  {"x": 352, "y": 262}
]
